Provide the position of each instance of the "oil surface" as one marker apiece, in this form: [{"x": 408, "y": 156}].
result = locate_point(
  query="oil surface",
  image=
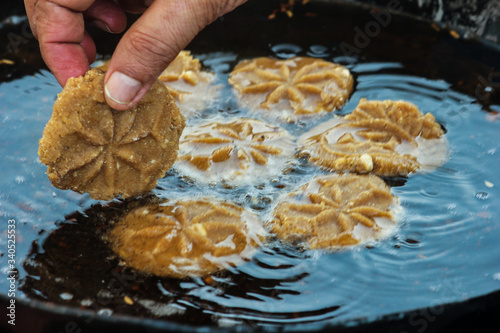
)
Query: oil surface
[{"x": 445, "y": 249}]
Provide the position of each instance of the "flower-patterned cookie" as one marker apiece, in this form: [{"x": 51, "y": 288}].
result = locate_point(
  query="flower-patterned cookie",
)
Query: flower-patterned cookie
[
  {"x": 334, "y": 211},
  {"x": 89, "y": 147},
  {"x": 186, "y": 238},
  {"x": 292, "y": 88},
  {"x": 387, "y": 138},
  {"x": 234, "y": 152}
]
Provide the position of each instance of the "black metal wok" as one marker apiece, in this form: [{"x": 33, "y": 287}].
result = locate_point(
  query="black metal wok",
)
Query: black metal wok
[{"x": 446, "y": 257}]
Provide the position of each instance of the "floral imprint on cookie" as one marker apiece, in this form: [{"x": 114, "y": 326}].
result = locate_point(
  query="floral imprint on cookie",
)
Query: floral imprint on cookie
[
  {"x": 335, "y": 211},
  {"x": 89, "y": 147},
  {"x": 387, "y": 138},
  {"x": 195, "y": 237},
  {"x": 244, "y": 150},
  {"x": 292, "y": 88}
]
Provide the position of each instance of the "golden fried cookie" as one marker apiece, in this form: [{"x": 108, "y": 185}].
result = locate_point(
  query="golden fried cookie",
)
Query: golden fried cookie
[
  {"x": 89, "y": 147},
  {"x": 387, "y": 138},
  {"x": 187, "y": 237},
  {"x": 335, "y": 211},
  {"x": 384, "y": 120},
  {"x": 235, "y": 152},
  {"x": 188, "y": 83},
  {"x": 294, "y": 87}
]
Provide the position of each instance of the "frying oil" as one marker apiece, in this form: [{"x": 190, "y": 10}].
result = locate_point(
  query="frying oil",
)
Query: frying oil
[{"x": 444, "y": 250}]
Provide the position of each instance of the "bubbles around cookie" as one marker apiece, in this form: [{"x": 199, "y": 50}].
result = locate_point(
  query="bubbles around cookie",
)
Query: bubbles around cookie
[
  {"x": 190, "y": 84},
  {"x": 196, "y": 237},
  {"x": 387, "y": 138},
  {"x": 292, "y": 88},
  {"x": 334, "y": 211},
  {"x": 235, "y": 152}
]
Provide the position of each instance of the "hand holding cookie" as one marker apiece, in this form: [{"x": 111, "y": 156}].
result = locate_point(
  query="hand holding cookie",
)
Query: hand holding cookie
[
  {"x": 89, "y": 147},
  {"x": 152, "y": 42}
]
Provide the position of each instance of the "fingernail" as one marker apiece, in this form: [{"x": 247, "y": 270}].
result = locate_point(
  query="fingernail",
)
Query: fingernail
[
  {"x": 148, "y": 3},
  {"x": 102, "y": 25},
  {"x": 121, "y": 88}
]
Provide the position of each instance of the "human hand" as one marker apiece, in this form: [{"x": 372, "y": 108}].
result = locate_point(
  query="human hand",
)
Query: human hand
[{"x": 152, "y": 42}]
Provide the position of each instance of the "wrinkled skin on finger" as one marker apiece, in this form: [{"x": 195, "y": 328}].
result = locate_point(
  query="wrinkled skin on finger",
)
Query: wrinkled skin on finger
[
  {"x": 163, "y": 30},
  {"x": 59, "y": 25}
]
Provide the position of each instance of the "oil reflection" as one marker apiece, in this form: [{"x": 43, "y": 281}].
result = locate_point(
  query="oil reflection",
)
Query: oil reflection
[{"x": 74, "y": 266}]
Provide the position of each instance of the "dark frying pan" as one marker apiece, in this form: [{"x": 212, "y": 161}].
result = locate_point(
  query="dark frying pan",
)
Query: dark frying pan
[{"x": 440, "y": 271}]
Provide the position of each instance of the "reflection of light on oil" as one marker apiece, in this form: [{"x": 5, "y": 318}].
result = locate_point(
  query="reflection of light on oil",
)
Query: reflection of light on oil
[
  {"x": 286, "y": 51},
  {"x": 318, "y": 51},
  {"x": 482, "y": 195}
]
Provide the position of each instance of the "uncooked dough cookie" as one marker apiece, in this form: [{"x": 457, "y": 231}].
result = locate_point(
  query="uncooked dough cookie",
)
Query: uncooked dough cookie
[
  {"x": 189, "y": 84},
  {"x": 293, "y": 87},
  {"x": 387, "y": 138},
  {"x": 89, "y": 147},
  {"x": 186, "y": 238},
  {"x": 335, "y": 211},
  {"x": 245, "y": 150}
]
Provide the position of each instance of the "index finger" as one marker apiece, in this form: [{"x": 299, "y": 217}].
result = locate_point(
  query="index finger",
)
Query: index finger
[{"x": 60, "y": 29}]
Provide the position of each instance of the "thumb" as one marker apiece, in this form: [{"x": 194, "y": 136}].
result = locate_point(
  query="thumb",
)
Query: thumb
[{"x": 153, "y": 42}]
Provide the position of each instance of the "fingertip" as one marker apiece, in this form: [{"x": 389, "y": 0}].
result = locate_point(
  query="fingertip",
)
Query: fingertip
[
  {"x": 62, "y": 76},
  {"x": 123, "y": 92},
  {"x": 117, "y": 106},
  {"x": 107, "y": 16}
]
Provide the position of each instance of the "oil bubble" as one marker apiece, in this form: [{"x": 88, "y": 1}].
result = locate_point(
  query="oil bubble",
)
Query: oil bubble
[
  {"x": 318, "y": 51},
  {"x": 286, "y": 50},
  {"x": 86, "y": 302},
  {"x": 429, "y": 192},
  {"x": 482, "y": 195},
  {"x": 66, "y": 296},
  {"x": 105, "y": 312}
]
